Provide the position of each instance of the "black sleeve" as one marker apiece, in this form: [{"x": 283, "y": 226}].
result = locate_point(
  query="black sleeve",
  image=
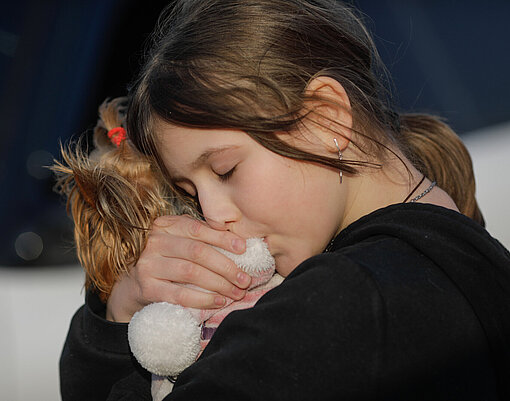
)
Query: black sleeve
[
  {"x": 316, "y": 336},
  {"x": 96, "y": 355}
]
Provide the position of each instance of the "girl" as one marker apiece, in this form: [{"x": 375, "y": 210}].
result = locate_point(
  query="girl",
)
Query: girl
[{"x": 269, "y": 117}]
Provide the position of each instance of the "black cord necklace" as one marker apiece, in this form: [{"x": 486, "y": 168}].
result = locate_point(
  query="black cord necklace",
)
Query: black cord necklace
[
  {"x": 432, "y": 185},
  {"x": 416, "y": 198},
  {"x": 414, "y": 190}
]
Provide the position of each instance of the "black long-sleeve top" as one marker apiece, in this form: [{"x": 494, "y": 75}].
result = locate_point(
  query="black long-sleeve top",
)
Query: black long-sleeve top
[{"x": 412, "y": 303}]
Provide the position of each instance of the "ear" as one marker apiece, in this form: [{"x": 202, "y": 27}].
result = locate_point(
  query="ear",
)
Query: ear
[{"x": 329, "y": 111}]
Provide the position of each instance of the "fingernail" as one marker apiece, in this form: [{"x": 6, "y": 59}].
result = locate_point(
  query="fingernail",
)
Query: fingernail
[
  {"x": 220, "y": 301},
  {"x": 238, "y": 245},
  {"x": 161, "y": 221},
  {"x": 238, "y": 293},
  {"x": 243, "y": 279}
]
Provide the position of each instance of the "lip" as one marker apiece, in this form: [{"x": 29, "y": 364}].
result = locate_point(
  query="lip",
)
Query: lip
[{"x": 264, "y": 239}]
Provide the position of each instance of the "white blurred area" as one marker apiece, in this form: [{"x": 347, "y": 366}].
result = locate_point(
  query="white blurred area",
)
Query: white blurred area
[
  {"x": 490, "y": 151},
  {"x": 36, "y": 304}
]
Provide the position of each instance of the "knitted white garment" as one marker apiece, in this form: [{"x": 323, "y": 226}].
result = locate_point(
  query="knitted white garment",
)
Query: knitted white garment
[
  {"x": 165, "y": 338},
  {"x": 255, "y": 259}
]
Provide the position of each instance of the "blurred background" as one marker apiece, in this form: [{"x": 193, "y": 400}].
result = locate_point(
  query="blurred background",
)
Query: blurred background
[{"x": 60, "y": 59}]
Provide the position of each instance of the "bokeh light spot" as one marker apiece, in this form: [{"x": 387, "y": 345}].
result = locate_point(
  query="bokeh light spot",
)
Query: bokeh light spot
[
  {"x": 37, "y": 162},
  {"x": 29, "y": 245}
]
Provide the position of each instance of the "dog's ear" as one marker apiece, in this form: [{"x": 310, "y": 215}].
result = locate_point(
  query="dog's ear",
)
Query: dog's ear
[{"x": 86, "y": 189}]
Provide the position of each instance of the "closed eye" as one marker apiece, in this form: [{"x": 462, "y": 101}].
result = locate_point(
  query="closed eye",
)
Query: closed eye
[{"x": 225, "y": 177}]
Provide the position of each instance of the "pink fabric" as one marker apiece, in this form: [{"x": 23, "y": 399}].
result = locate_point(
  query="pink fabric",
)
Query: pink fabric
[{"x": 211, "y": 318}]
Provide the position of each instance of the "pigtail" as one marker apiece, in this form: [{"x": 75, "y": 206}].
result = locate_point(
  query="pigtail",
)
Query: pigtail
[
  {"x": 440, "y": 154},
  {"x": 113, "y": 195}
]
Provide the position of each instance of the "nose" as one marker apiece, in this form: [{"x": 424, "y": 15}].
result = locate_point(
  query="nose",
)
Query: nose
[{"x": 218, "y": 208}]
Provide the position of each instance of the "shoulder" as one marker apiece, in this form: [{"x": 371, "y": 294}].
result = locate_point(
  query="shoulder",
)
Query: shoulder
[
  {"x": 371, "y": 265},
  {"x": 384, "y": 287},
  {"x": 335, "y": 283}
]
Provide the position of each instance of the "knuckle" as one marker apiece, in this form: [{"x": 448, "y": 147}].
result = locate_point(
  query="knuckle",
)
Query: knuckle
[
  {"x": 146, "y": 292},
  {"x": 226, "y": 238},
  {"x": 141, "y": 270},
  {"x": 181, "y": 296},
  {"x": 152, "y": 241},
  {"x": 225, "y": 288},
  {"x": 144, "y": 280},
  {"x": 140, "y": 264},
  {"x": 166, "y": 220},
  {"x": 189, "y": 272},
  {"x": 159, "y": 221},
  {"x": 196, "y": 250},
  {"x": 194, "y": 228}
]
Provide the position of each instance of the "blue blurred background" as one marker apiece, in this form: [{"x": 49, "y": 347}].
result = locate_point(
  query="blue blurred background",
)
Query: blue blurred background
[{"x": 59, "y": 59}]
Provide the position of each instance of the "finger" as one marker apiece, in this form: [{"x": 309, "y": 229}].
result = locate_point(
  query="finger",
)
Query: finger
[
  {"x": 199, "y": 253},
  {"x": 186, "y": 272},
  {"x": 196, "y": 229},
  {"x": 188, "y": 297}
]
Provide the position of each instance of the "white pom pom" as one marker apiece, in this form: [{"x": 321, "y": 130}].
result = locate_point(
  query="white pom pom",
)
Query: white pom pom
[
  {"x": 256, "y": 259},
  {"x": 164, "y": 338}
]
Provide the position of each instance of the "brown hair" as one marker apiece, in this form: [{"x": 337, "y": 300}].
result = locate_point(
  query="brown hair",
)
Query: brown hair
[
  {"x": 113, "y": 194},
  {"x": 245, "y": 64}
]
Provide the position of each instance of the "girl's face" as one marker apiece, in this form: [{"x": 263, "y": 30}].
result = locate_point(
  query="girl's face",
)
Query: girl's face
[{"x": 245, "y": 188}]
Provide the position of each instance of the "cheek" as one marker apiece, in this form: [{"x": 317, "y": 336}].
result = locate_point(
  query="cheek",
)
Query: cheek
[
  {"x": 295, "y": 204},
  {"x": 268, "y": 188}
]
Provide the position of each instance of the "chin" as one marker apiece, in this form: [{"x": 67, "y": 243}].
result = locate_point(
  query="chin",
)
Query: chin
[{"x": 284, "y": 265}]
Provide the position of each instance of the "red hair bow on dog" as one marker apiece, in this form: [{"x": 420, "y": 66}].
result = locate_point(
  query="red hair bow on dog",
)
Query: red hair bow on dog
[{"x": 117, "y": 135}]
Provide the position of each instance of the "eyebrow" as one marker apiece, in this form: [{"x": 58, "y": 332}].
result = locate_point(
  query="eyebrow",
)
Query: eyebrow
[{"x": 202, "y": 159}]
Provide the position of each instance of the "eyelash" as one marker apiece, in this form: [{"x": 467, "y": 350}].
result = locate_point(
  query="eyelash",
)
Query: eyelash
[{"x": 225, "y": 177}]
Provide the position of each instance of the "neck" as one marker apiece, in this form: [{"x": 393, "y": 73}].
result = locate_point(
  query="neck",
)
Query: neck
[{"x": 374, "y": 189}]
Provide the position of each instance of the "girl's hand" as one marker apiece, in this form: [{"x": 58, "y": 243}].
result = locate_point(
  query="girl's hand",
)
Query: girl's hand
[{"x": 179, "y": 251}]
